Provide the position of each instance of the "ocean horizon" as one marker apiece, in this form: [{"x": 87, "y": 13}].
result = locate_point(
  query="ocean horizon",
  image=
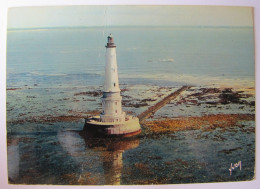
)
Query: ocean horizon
[{"x": 192, "y": 55}]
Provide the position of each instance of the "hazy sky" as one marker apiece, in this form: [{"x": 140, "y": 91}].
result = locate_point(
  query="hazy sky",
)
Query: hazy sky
[{"x": 24, "y": 17}]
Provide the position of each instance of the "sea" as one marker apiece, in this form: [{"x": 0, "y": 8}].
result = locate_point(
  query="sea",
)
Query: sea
[
  {"x": 48, "y": 70},
  {"x": 153, "y": 55}
]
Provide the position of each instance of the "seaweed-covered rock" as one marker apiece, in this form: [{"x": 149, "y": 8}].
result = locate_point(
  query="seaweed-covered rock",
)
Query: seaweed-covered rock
[
  {"x": 89, "y": 93},
  {"x": 228, "y": 96}
]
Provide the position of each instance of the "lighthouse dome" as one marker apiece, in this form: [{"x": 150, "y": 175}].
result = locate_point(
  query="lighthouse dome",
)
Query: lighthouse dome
[{"x": 110, "y": 42}]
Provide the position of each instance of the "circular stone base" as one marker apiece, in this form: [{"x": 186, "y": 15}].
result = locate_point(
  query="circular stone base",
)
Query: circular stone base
[{"x": 129, "y": 127}]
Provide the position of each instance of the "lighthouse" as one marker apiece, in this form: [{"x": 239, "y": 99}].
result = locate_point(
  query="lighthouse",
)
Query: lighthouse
[
  {"x": 112, "y": 120},
  {"x": 111, "y": 100}
]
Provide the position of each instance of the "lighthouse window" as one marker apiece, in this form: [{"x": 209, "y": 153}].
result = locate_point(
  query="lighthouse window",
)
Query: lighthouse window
[
  {"x": 115, "y": 103},
  {"x": 116, "y": 111},
  {"x": 114, "y": 84}
]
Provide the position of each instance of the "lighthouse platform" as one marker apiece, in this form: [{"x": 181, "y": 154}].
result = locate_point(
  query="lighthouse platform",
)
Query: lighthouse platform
[{"x": 129, "y": 127}]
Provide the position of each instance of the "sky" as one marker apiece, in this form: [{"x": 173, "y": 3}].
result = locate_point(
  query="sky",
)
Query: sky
[{"x": 103, "y": 15}]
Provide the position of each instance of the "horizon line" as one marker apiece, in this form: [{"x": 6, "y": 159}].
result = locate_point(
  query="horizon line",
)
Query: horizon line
[{"x": 182, "y": 26}]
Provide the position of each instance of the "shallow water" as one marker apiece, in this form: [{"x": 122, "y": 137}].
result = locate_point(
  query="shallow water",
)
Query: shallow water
[{"x": 65, "y": 157}]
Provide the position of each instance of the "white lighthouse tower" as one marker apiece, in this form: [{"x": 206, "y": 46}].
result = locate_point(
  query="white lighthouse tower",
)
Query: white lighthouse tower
[
  {"x": 111, "y": 100},
  {"x": 112, "y": 119}
]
